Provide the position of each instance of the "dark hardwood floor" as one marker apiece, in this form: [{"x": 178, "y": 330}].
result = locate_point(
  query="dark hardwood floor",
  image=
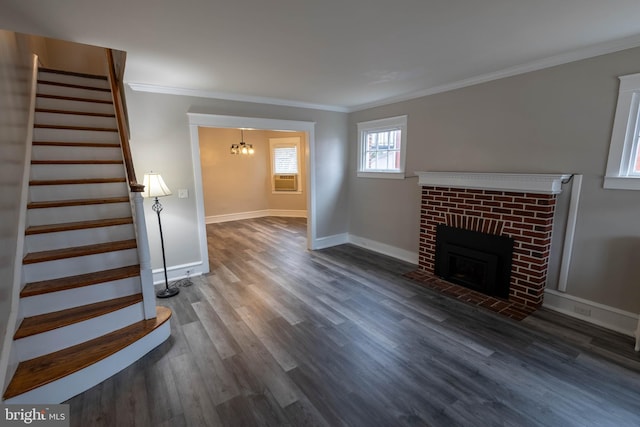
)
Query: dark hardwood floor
[{"x": 280, "y": 336}]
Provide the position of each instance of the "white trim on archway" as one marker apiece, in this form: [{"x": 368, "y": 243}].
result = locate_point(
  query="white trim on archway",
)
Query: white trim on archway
[{"x": 220, "y": 121}]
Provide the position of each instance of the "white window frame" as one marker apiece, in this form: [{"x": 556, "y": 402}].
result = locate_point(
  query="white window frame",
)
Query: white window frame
[
  {"x": 285, "y": 142},
  {"x": 387, "y": 124},
  {"x": 624, "y": 138}
]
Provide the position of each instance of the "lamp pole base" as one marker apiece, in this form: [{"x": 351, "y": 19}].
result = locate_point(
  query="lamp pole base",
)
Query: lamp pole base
[{"x": 167, "y": 292}]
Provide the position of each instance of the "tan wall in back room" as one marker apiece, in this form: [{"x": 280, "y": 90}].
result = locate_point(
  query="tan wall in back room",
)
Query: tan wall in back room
[{"x": 235, "y": 184}]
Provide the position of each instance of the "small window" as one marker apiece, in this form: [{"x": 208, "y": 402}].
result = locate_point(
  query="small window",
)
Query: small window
[
  {"x": 285, "y": 165},
  {"x": 382, "y": 148},
  {"x": 623, "y": 166}
]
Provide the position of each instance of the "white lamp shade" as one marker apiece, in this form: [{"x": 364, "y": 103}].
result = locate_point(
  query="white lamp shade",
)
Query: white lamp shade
[{"x": 154, "y": 186}]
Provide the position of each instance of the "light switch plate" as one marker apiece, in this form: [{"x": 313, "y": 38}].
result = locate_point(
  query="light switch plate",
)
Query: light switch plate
[{"x": 183, "y": 193}]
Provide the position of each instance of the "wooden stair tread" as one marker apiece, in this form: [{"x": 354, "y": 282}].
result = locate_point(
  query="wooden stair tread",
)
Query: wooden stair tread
[
  {"x": 42, "y": 370},
  {"x": 47, "y": 322},
  {"x": 73, "y": 112},
  {"x": 76, "y": 202},
  {"x": 81, "y": 280},
  {"x": 66, "y": 127},
  {"x": 72, "y": 85},
  {"x": 76, "y": 144},
  {"x": 76, "y": 181},
  {"x": 76, "y": 162},
  {"x": 78, "y": 225},
  {"x": 72, "y": 73},
  {"x": 73, "y": 98},
  {"x": 78, "y": 251}
]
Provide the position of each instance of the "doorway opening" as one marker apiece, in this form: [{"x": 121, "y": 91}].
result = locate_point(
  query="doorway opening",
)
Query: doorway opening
[{"x": 197, "y": 121}]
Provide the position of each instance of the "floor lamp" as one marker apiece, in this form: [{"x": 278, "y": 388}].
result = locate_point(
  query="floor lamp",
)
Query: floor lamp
[{"x": 154, "y": 186}]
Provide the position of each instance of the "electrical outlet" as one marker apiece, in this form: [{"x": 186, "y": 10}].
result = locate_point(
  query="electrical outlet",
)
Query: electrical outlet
[
  {"x": 582, "y": 310},
  {"x": 183, "y": 193}
]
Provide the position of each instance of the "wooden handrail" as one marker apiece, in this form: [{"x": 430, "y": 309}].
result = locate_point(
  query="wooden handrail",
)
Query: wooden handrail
[{"x": 115, "y": 81}]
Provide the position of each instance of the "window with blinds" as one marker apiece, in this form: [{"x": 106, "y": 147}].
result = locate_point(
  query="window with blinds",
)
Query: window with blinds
[{"x": 285, "y": 165}]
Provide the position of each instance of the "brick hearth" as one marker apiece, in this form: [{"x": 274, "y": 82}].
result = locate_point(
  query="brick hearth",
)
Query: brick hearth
[
  {"x": 524, "y": 216},
  {"x": 504, "y": 307}
]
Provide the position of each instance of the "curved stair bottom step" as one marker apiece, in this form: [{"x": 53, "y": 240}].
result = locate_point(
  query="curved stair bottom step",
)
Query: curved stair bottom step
[{"x": 64, "y": 388}]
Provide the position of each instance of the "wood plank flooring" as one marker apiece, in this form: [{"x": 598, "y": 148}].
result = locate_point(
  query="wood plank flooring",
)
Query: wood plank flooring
[{"x": 280, "y": 336}]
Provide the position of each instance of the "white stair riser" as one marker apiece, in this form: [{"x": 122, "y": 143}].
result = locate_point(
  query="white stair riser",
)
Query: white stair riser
[
  {"x": 66, "y": 135},
  {"x": 75, "y": 120},
  {"x": 65, "y": 388},
  {"x": 56, "y": 301},
  {"x": 75, "y": 80},
  {"x": 57, "y": 339},
  {"x": 65, "y": 104},
  {"x": 76, "y": 171},
  {"x": 46, "y": 89},
  {"x": 79, "y": 265},
  {"x": 77, "y": 213},
  {"x": 54, "y": 152},
  {"x": 72, "y": 238},
  {"x": 42, "y": 193}
]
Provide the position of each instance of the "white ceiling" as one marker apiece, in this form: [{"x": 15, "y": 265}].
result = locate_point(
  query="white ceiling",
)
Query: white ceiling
[{"x": 340, "y": 54}]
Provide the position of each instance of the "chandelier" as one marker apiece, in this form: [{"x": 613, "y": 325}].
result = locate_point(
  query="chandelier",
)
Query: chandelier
[{"x": 242, "y": 147}]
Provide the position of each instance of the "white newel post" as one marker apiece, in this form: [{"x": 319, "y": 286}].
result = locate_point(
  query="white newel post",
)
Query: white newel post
[{"x": 144, "y": 256}]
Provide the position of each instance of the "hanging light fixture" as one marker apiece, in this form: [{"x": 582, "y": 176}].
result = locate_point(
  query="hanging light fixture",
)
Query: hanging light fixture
[{"x": 242, "y": 147}]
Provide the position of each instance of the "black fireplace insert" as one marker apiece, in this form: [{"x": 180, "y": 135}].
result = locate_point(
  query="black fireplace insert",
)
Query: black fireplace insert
[{"x": 476, "y": 260}]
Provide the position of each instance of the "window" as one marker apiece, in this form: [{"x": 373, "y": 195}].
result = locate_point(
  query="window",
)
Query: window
[
  {"x": 623, "y": 166},
  {"x": 285, "y": 165},
  {"x": 382, "y": 147}
]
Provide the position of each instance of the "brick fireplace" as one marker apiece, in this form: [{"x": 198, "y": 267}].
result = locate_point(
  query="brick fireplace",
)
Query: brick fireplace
[{"x": 519, "y": 206}]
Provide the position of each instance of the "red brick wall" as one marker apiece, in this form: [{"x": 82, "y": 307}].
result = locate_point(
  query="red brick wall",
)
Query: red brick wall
[{"x": 526, "y": 217}]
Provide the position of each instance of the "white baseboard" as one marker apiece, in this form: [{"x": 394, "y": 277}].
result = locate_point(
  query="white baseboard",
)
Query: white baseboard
[
  {"x": 599, "y": 314},
  {"x": 384, "y": 249},
  {"x": 214, "y": 219},
  {"x": 372, "y": 245},
  {"x": 291, "y": 213},
  {"x": 177, "y": 272},
  {"x": 329, "y": 241}
]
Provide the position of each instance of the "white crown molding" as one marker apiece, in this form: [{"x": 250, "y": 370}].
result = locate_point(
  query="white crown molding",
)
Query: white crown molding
[
  {"x": 143, "y": 87},
  {"x": 551, "y": 61},
  {"x": 528, "y": 183}
]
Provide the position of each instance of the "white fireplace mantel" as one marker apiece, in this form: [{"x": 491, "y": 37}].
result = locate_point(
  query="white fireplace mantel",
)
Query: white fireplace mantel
[{"x": 541, "y": 183}]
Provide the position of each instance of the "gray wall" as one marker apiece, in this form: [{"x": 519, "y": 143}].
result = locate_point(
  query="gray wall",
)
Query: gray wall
[
  {"x": 160, "y": 141},
  {"x": 554, "y": 120},
  {"x": 15, "y": 86}
]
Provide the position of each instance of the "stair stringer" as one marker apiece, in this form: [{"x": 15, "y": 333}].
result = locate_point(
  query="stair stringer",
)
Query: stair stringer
[{"x": 9, "y": 358}]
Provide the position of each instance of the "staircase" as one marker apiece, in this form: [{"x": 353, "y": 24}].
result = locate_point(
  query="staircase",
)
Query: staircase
[{"x": 81, "y": 310}]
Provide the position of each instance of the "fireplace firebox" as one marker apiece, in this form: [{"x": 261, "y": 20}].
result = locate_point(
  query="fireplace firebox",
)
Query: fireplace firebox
[{"x": 476, "y": 260}]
